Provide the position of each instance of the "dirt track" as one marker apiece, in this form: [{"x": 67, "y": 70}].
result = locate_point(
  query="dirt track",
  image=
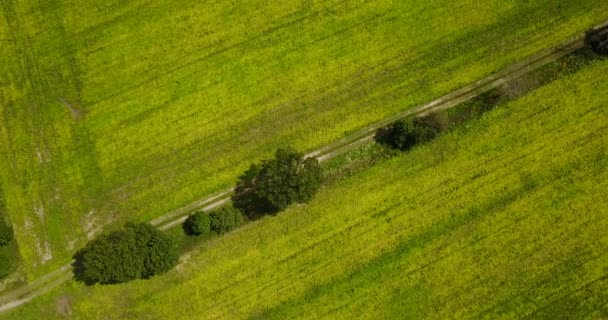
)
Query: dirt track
[{"x": 22, "y": 295}]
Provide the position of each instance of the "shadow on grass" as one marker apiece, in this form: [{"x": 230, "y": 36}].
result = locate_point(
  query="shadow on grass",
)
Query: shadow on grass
[{"x": 78, "y": 268}]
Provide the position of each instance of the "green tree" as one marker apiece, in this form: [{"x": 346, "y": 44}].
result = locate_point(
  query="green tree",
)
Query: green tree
[
  {"x": 160, "y": 252},
  {"x": 197, "y": 224},
  {"x": 137, "y": 251},
  {"x": 405, "y": 134},
  {"x": 274, "y": 184},
  {"x": 225, "y": 219}
]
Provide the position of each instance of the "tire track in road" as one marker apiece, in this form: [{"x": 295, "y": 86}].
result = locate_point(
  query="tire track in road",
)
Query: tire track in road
[
  {"x": 22, "y": 295},
  {"x": 26, "y": 293}
]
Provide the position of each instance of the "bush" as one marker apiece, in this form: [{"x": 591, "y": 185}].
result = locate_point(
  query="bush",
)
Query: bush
[
  {"x": 597, "y": 40},
  {"x": 6, "y": 263},
  {"x": 6, "y": 233},
  {"x": 138, "y": 251},
  {"x": 197, "y": 224},
  {"x": 405, "y": 134},
  {"x": 225, "y": 219},
  {"x": 275, "y": 184}
]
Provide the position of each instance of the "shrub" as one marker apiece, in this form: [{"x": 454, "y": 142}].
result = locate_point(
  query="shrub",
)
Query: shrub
[
  {"x": 6, "y": 263},
  {"x": 405, "y": 134},
  {"x": 597, "y": 40},
  {"x": 197, "y": 224},
  {"x": 225, "y": 219},
  {"x": 275, "y": 184},
  {"x": 6, "y": 233},
  {"x": 138, "y": 251}
]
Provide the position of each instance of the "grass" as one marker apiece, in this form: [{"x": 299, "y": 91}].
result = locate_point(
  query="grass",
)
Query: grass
[
  {"x": 501, "y": 217},
  {"x": 121, "y": 111}
]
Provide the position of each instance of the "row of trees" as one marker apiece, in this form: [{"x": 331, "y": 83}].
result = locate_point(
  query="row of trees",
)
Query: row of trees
[
  {"x": 265, "y": 188},
  {"x": 272, "y": 185},
  {"x": 140, "y": 251}
]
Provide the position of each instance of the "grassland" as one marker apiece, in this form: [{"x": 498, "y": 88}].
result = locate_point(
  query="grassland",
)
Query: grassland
[
  {"x": 126, "y": 110},
  {"x": 504, "y": 217}
]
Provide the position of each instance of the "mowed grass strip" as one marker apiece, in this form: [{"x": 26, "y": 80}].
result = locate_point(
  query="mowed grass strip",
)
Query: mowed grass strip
[
  {"x": 127, "y": 110},
  {"x": 503, "y": 217}
]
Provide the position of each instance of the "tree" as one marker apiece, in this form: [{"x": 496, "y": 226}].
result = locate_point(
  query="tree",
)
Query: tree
[
  {"x": 197, "y": 224},
  {"x": 597, "y": 40},
  {"x": 225, "y": 219},
  {"x": 138, "y": 251},
  {"x": 159, "y": 251},
  {"x": 274, "y": 184},
  {"x": 404, "y": 134}
]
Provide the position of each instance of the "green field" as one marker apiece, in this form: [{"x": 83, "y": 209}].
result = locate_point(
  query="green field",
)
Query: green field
[
  {"x": 502, "y": 217},
  {"x": 123, "y": 110}
]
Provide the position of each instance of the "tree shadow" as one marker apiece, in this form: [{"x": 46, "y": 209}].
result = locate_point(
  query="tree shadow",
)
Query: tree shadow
[
  {"x": 78, "y": 268},
  {"x": 252, "y": 206},
  {"x": 405, "y": 134}
]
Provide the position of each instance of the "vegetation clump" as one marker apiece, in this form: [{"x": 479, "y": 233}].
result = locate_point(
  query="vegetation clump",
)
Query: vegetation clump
[
  {"x": 225, "y": 219},
  {"x": 6, "y": 233},
  {"x": 197, "y": 224},
  {"x": 597, "y": 40},
  {"x": 138, "y": 251},
  {"x": 6, "y": 230},
  {"x": 7, "y": 251},
  {"x": 405, "y": 134},
  {"x": 274, "y": 184},
  {"x": 6, "y": 264}
]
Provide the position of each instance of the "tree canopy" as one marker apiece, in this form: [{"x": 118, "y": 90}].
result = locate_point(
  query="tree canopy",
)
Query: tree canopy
[
  {"x": 274, "y": 184},
  {"x": 225, "y": 219},
  {"x": 405, "y": 134},
  {"x": 598, "y": 40},
  {"x": 198, "y": 223},
  {"x": 138, "y": 251}
]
